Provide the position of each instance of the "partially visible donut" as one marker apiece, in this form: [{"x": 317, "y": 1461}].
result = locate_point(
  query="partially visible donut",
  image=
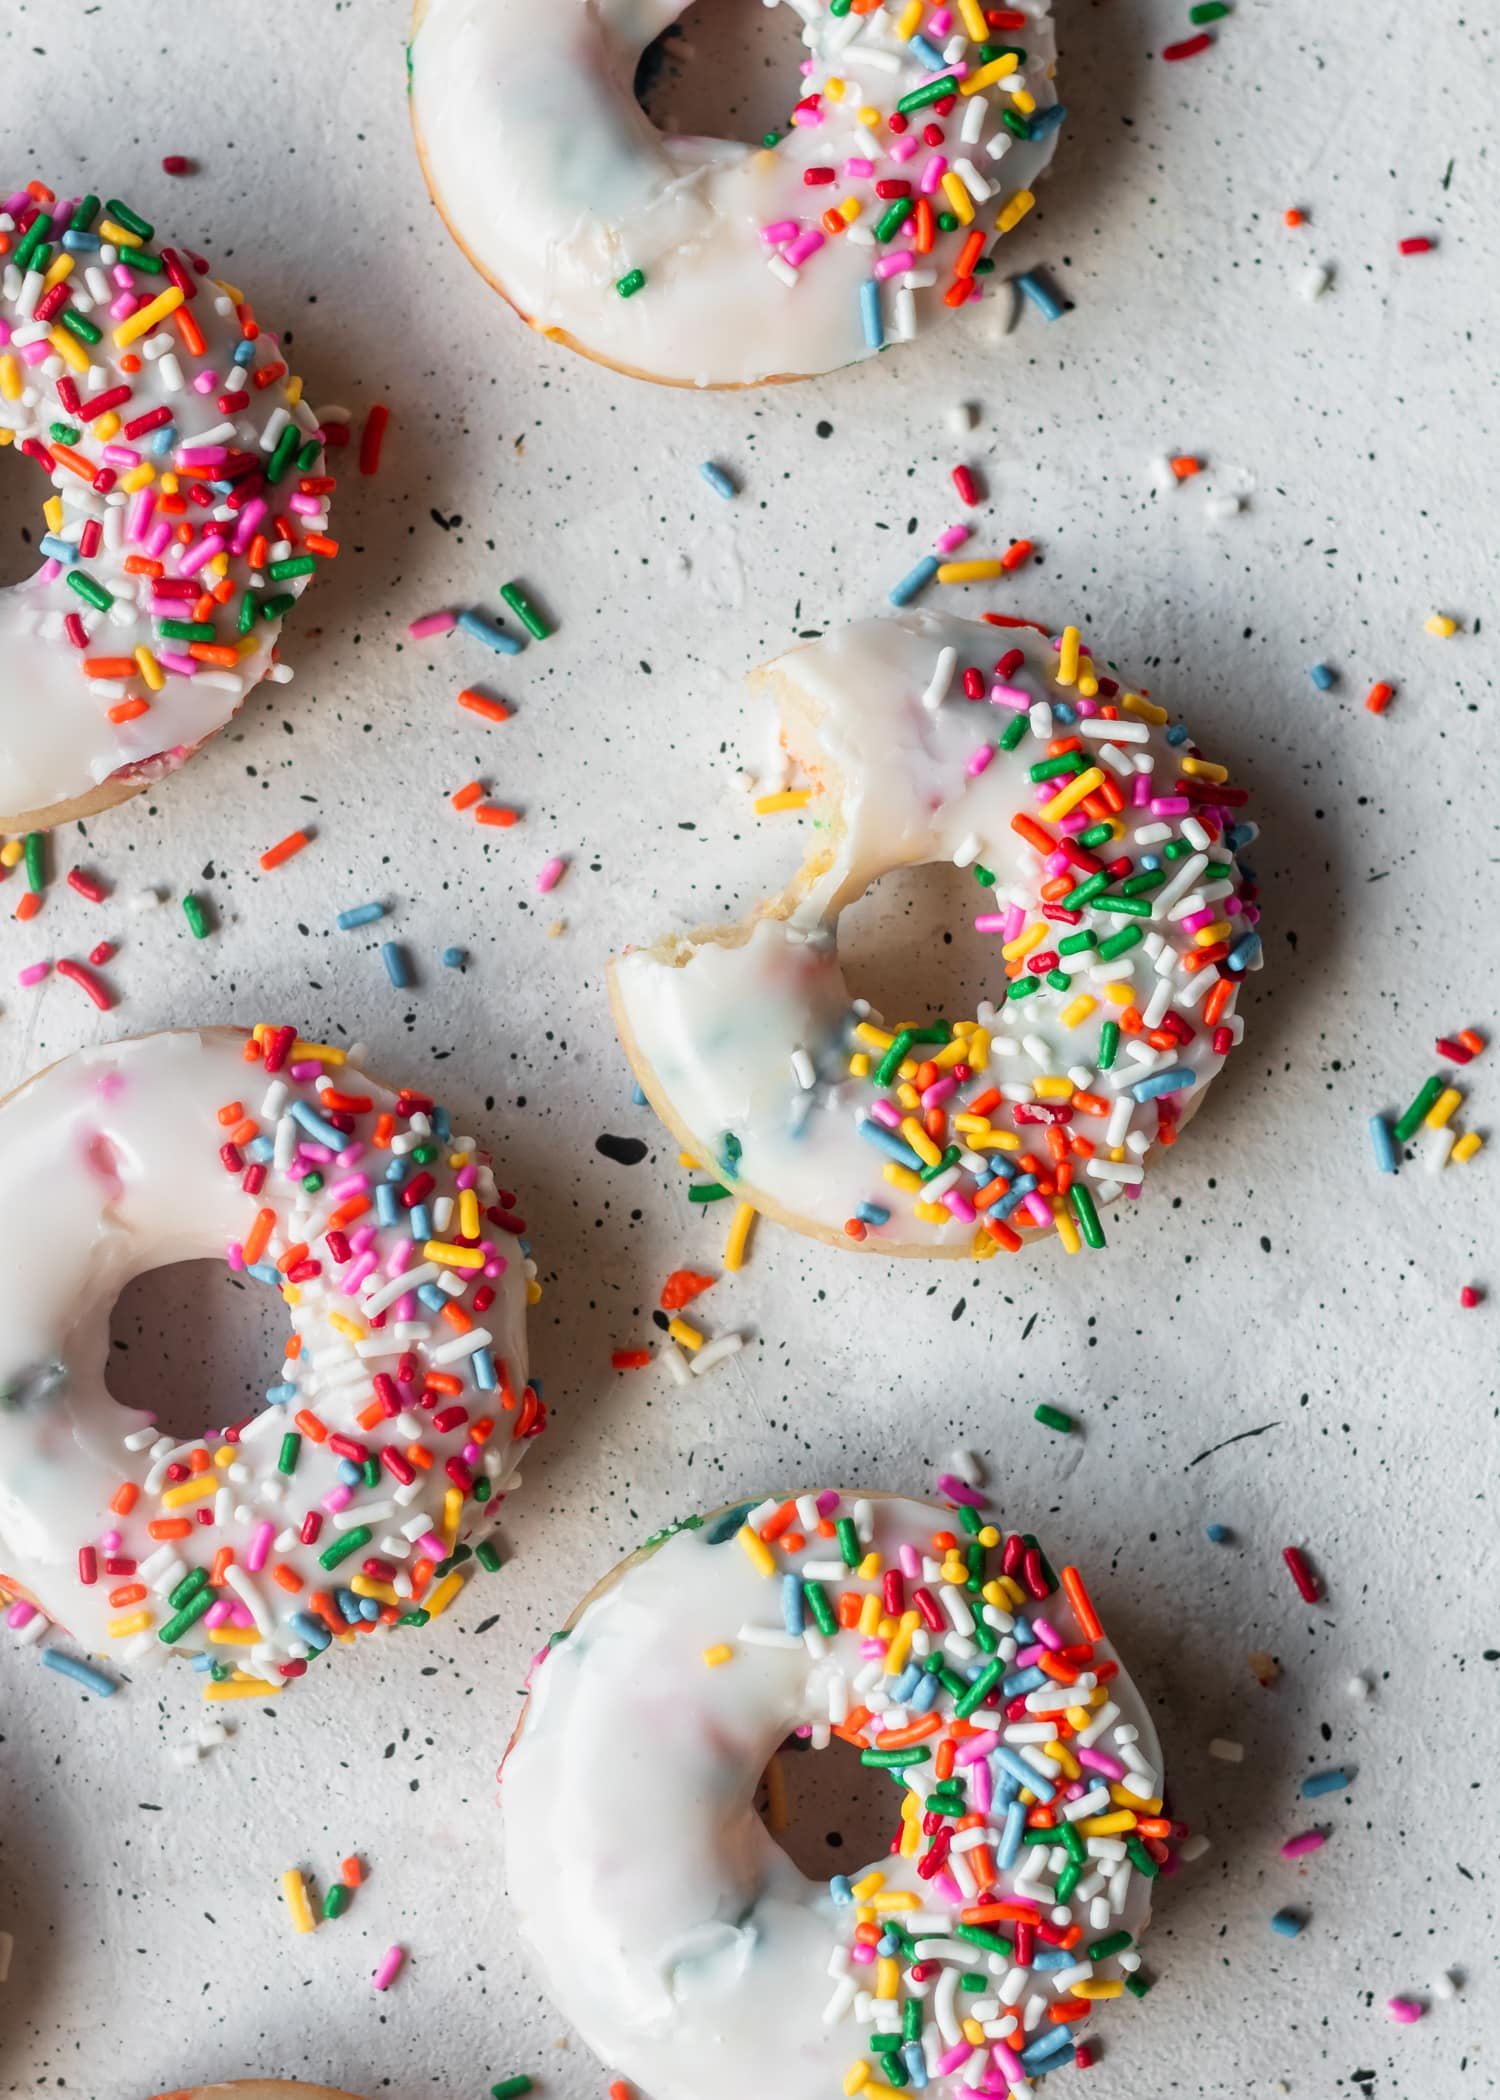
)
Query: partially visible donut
[
  {"x": 1105, "y": 848},
  {"x": 188, "y": 507},
  {"x": 349, "y": 1499},
  {"x": 257, "y": 2089},
  {"x": 702, "y": 262}
]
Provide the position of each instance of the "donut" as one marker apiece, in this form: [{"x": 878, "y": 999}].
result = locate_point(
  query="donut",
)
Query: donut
[
  {"x": 912, "y": 139},
  {"x": 257, "y": 2089},
  {"x": 678, "y": 1937},
  {"x": 188, "y": 508},
  {"x": 389, "y": 1434},
  {"x": 1104, "y": 852}
]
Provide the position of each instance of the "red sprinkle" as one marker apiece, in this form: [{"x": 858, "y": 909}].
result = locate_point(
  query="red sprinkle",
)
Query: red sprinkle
[
  {"x": 1189, "y": 47},
  {"x": 86, "y": 885},
  {"x": 372, "y": 437},
  {"x": 1469, "y": 1297},
  {"x": 175, "y": 164},
  {"x": 87, "y": 982},
  {"x": 1308, "y": 1585},
  {"x": 629, "y": 1359},
  {"x": 967, "y": 486},
  {"x": 1416, "y": 244},
  {"x": 100, "y": 956}
]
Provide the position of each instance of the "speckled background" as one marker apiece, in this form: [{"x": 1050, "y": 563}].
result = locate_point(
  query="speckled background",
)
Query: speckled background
[{"x": 1273, "y": 1342}]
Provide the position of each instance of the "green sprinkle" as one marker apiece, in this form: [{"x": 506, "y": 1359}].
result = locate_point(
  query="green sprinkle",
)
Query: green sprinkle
[
  {"x": 971, "y": 1520},
  {"x": 848, "y": 1539},
  {"x": 1023, "y": 987},
  {"x": 891, "y": 1063},
  {"x": 130, "y": 220},
  {"x": 424, "y": 1155},
  {"x": 1148, "y": 879},
  {"x": 1096, "y": 835},
  {"x": 893, "y": 217},
  {"x": 481, "y": 1489},
  {"x": 1208, "y": 11},
  {"x": 1088, "y": 889},
  {"x": 87, "y": 331},
  {"x": 511, "y": 2088},
  {"x": 342, "y": 1548},
  {"x": 1015, "y": 123},
  {"x": 309, "y": 456},
  {"x": 194, "y": 1580},
  {"x": 85, "y": 214},
  {"x": 277, "y": 606},
  {"x": 1406, "y": 1125},
  {"x": 1088, "y": 1217},
  {"x": 919, "y": 1754},
  {"x": 419, "y": 1617},
  {"x": 63, "y": 433},
  {"x": 983, "y": 1938},
  {"x": 35, "y": 234},
  {"x": 294, "y": 565},
  {"x": 818, "y": 1604},
  {"x": 923, "y": 98},
  {"x": 770, "y": 138},
  {"x": 1013, "y": 731},
  {"x": 628, "y": 285},
  {"x": 973, "y": 1695},
  {"x": 248, "y": 608},
  {"x": 196, "y": 916},
  {"x": 145, "y": 264},
  {"x": 1137, "y": 1985},
  {"x": 370, "y": 1470},
  {"x": 312, "y": 1182},
  {"x": 281, "y": 457},
  {"x": 707, "y": 1192},
  {"x": 1109, "y": 1040},
  {"x": 1120, "y": 943},
  {"x": 1140, "y": 1858},
  {"x": 1059, "y": 980},
  {"x": 1129, "y": 907},
  {"x": 911, "y": 2020},
  {"x": 91, "y": 591},
  {"x": 985, "y": 877},
  {"x": 1071, "y": 1839},
  {"x": 883, "y": 2044},
  {"x": 1075, "y": 943},
  {"x": 291, "y": 1444},
  {"x": 1101, "y": 1950},
  {"x": 190, "y": 1614},
  {"x": 487, "y": 1557},
  {"x": 36, "y": 860},
  {"x": 941, "y": 1166},
  {"x": 1054, "y": 1418},
  {"x": 183, "y": 630},
  {"x": 1069, "y": 1878},
  {"x": 1049, "y": 768},
  {"x": 335, "y": 1899},
  {"x": 525, "y": 611}
]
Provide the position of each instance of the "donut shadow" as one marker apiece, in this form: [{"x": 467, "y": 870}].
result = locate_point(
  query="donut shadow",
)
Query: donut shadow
[
  {"x": 45, "y": 1921},
  {"x": 1101, "y": 64}
]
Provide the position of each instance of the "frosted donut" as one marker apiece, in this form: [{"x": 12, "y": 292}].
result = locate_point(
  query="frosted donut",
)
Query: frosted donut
[
  {"x": 1104, "y": 848},
  {"x": 188, "y": 507},
  {"x": 257, "y": 2089},
  {"x": 677, "y": 1936},
  {"x": 389, "y": 1434},
  {"x": 702, "y": 262}
]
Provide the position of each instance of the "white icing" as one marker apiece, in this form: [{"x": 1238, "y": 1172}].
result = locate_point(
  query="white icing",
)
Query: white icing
[
  {"x": 557, "y": 185},
  {"x": 112, "y": 1160},
  {"x": 722, "y": 1032},
  {"x": 669, "y": 1927},
  {"x": 57, "y": 741}
]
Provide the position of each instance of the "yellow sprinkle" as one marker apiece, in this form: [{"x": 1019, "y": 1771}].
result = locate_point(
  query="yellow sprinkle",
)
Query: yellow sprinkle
[
  {"x": 689, "y": 1337},
  {"x": 1148, "y": 711},
  {"x": 835, "y": 89},
  {"x": 1024, "y": 942},
  {"x": 294, "y": 1888},
  {"x": 973, "y": 2032},
  {"x": 761, "y": 1556},
  {"x": 62, "y": 267},
  {"x": 1207, "y": 935},
  {"x": 1013, "y": 213},
  {"x": 224, "y": 1456},
  {"x": 233, "y": 1636},
  {"x": 151, "y": 670},
  {"x": 870, "y": 116},
  {"x": 293, "y": 391},
  {"x": 133, "y": 1622},
  {"x": 721, "y": 1652},
  {"x": 686, "y": 1159},
  {"x": 869, "y": 1616},
  {"x": 1050, "y": 1086},
  {"x": 911, "y": 1826},
  {"x": 1094, "y": 1987},
  {"x": 1132, "y": 1804},
  {"x": 954, "y": 1053},
  {"x": 1119, "y": 994},
  {"x": 960, "y": 202},
  {"x": 969, "y": 571},
  {"x": 533, "y": 1291},
  {"x": 965, "y": 1121},
  {"x": 919, "y": 1141},
  {"x": 1060, "y": 1754},
  {"x": 737, "y": 1245},
  {"x": 987, "y": 1536},
  {"x": 367, "y": 1586},
  {"x": 349, "y": 1329},
  {"x": 1081, "y": 784},
  {"x": 468, "y": 1214},
  {"x": 1067, "y": 658},
  {"x": 10, "y": 377},
  {"x": 1023, "y": 100},
  {"x": 868, "y": 1885},
  {"x": 122, "y": 236},
  {"x": 1105, "y": 1826},
  {"x": 1441, "y": 625},
  {"x": 1467, "y": 1146},
  {"x": 1078, "y": 1010},
  {"x": 436, "y": 1601},
  {"x": 1441, "y": 1112},
  {"x": 901, "y": 1177},
  {"x": 849, "y": 210},
  {"x": 1067, "y": 1230},
  {"x": 453, "y": 1257},
  {"x": 107, "y": 427},
  {"x": 69, "y": 350},
  {"x": 453, "y": 1509},
  {"x": 908, "y": 1096},
  {"x": 196, "y": 1490},
  {"x": 877, "y": 1038},
  {"x": 1202, "y": 769},
  {"x": 857, "y": 2077},
  {"x": 142, "y": 323},
  {"x": 979, "y": 1049},
  {"x": 971, "y": 14},
  {"x": 251, "y": 1688},
  {"x": 897, "y": 1899},
  {"x": 995, "y": 1141},
  {"x": 909, "y": 21},
  {"x": 978, "y": 81},
  {"x": 931, "y": 1213},
  {"x": 140, "y": 477},
  {"x": 789, "y": 798},
  {"x": 887, "y": 1976},
  {"x": 859, "y": 1065}
]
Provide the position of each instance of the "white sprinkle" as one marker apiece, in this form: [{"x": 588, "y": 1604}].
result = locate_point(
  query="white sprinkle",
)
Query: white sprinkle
[
  {"x": 1315, "y": 281},
  {"x": 713, "y": 1353},
  {"x": 1226, "y": 1752},
  {"x": 803, "y": 1070},
  {"x": 942, "y": 678}
]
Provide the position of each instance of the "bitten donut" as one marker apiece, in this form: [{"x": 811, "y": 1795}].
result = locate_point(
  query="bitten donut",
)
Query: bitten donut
[
  {"x": 388, "y": 1435},
  {"x": 913, "y": 136},
  {"x": 188, "y": 510},
  {"x": 1103, "y": 848},
  {"x": 689, "y": 1951}
]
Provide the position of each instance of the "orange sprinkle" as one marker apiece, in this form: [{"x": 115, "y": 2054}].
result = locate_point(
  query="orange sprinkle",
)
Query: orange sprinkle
[
  {"x": 1293, "y": 217},
  {"x": 1185, "y": 466},
  {"x": 230, "y": 1113},
  {"x": 128, "y": 710},
  {"x": 127, "y": 1593},
  {"x": 1379, "y": 697},
  {"x": 496, "y": 813},
  {"x": 223, "y": 1559},
  {"x": 1017, "y": 554},
  {"x": 284, "y": 850},
  {"x": 125, "y": 1498},
  {"x": 310, "y": 1426},
  {"x": 352, "y": 1871},
  {"x": 288, "y": 1578},
  {"x": 1083, "y": 1608},
  {"x": 480, "y": 704},
  {"x": 109, "y": 667},
  {"x": 467, "y": 795}
]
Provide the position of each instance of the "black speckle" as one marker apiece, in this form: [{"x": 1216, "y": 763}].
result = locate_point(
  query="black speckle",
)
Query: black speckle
[{"x": 624, "y": 1151}]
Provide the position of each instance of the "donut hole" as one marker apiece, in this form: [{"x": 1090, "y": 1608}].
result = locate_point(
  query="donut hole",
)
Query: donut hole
[
  {"x": 722, "y": 71},
  {"x": 195, "y": 1346},
  {"x": 909, "y": 946},
  {"x": 829, "y": 1813},
  {"x": 21, "y": 520}
]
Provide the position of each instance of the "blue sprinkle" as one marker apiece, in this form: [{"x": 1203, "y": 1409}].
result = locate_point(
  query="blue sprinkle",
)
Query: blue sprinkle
[
  {"x": 310, "y": 1630},
  {"x": 840, "y": 1890},
  {"x": 397, "y": 964},
  {"x": 82, "y": 243},
  {"x": 369, "y": 1609},
  {"x": 792, "y": 1617},
  {"x": 871, "y": 318},
  {"x": 201, "y": 1663},
  {"x": 487, "y": 632},
  {"x": 1047, "y": 120},
  {"x": 1010, "y": 1837},
  {"x": 1384, "y": 1143},
  {"x": 929, "y": 54},
  {"x": 281, "y": 1395},
  {"x": 387, "y": 1209},
  {"x": 421, "y": 1224},
  {"x": 59, "y": 550},
  {"x": 349, "y": 1473},
  {"x": 430, "y": 1296},
  {"x": 1287, "y": 1923},
  {"x": 244, "y": 353},
  {"x": 907, "y": 1683},
  {"x": 886, "y": 1945},
  {"x": 1244, "y": 952},
  {"x": 915, "y": 580},
  {"x": 1176, "y": 734},
  {"x": 718, "y": 481},
  {"x": 1020, "y": 1682},
  {"x": 1321, "y": 677},
  {"x": 1331, "y": 1782},
  {"x": 1021, "y": 1187},
  {"x": 320, "y": 1132},
  {"x": 1218, "y": 1534},
  {"x": 872, "y": 1213},
  {"x": 924, "y": 1697},
  {"x": 160, "y": 442},
  {"x": 638, "y": 1096},
  {"x": 81, "y": 1672},
  {"x": 1157, "y": 1083},
  {"x": 1053, "y": 1958},
  {"x": 264, "y": 1272},
  {"x": 483, "y": 1366},
  {"x": 260, "y": 1149},
  {"x": 398, "y": 1171},
  {"x": 887, "y": 1141},
  {"x": 1045, "y": 2052},
  {"x": 1148, "y": 860},
  {"x": 455, "y": 958},
  {"x": 442, "y": 1123},
  {"x": 916, "y": 2064},
  {"x": 348, "y": 1605},
  {"x": 1065, "y": 712},
  {"x": 1048, "y": 303},
  {"x": 1013, "y": 1762},
  {"x": 359, "y": 915}
]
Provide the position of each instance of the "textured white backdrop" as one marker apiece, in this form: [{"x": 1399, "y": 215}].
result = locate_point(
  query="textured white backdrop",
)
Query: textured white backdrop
[{"x": 1271, "y": 1283}]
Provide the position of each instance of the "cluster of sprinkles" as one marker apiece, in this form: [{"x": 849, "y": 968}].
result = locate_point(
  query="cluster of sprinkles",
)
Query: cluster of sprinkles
[
  {"x": 1139, "y": 925},
  {"x": 185, "y": 528},
  {"x": 923, "y": 192},
  {"x": 355, "y": 1496},
  {"x": 1030, "y": 1815},
  {"x": 1428, "y": 1118}
]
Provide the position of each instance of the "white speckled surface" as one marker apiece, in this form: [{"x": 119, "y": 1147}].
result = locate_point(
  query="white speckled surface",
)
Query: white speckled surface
[{"x": 1274, "y": 1284}]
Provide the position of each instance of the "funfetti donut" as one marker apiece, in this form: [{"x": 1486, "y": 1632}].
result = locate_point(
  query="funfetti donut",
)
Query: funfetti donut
[
  {"x": 1027, "y": 1822},
  {"x": 1103, "y": 851},
  {"x": 186, "y": 505},
  {"x": 372, "y": 1472},
  {"x": 912, "y": 139}
]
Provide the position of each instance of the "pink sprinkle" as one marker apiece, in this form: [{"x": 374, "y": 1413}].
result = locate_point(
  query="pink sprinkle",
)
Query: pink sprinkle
[
  {"x": 552, "y": 874},
  {"x": 778, "y": 231},
  {"x": 806, "y": 244},
  {"x": 1404, "y": 2010},
  {"x": 390, "y": 1968},
  {"x": 432, "y": 623},
  {"x": 33, "y": 973},
  {"x": 20, "y": 1614},
  {"x": 893, "y": 265},
  {"x": 1307, "y": 1841},
  {"x": 953, "y": 538},
  {"x": 989, "y": 922},
  {"x": 259, "y": 1547},
  {"x": 1016, "y": 697}
]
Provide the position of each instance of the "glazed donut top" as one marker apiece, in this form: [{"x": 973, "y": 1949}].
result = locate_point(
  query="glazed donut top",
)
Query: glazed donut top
[
  {"x": 388, "y": 1434},
  {"x": 704, "y": 262},
  {"x": 1102, "y": 846},
  {"x": 1027, "y": 1821},
  {"x": 189, "y": 505}
]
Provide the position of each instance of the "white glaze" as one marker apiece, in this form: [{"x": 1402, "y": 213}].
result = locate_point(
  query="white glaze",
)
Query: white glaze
[
  {"x": 714, "y": 1027},
  {"x": 556, "y": 183},
  {"x": 669, "y": 1927},
  {"x": 57, "y": 742},
  {"x": 112, "y": 1159}
]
